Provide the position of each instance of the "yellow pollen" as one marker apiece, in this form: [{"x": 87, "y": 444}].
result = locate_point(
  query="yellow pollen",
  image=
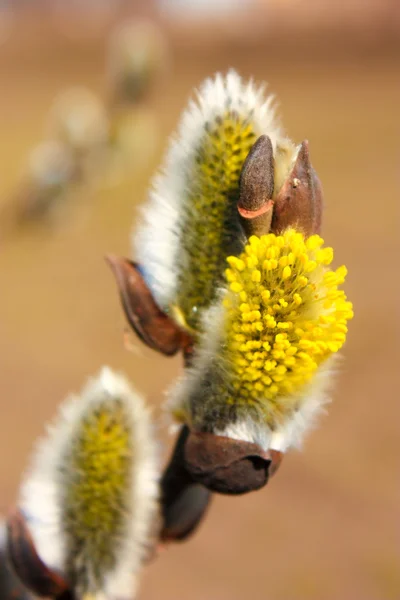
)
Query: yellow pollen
[
  {"x": 96, "y": 498},
  {"x": 293, "y": 319},
  {"x": 210, "y": 228}
]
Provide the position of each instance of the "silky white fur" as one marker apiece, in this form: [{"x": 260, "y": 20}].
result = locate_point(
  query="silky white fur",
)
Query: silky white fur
[
  {"x": 311, "y": 399},
  {"x": 205, "y": 353},
  {"x": 156, "y": 243},
  {"x": 42, "y": 492}
]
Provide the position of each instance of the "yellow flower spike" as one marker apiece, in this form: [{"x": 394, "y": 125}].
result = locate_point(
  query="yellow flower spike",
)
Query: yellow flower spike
[
  {"x": 294, "y": 320},
  {"x": 311, "y": 285}
]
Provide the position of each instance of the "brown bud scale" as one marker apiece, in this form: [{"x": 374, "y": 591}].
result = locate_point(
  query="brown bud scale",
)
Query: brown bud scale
[
  {"x": 151, "y": 324},
  {"x": 299, "y": 202},
  {"x": 229, "y": 466},
  {"x": 27, "y": 564}
]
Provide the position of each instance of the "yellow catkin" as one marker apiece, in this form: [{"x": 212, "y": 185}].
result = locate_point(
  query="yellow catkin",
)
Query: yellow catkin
[
  {"x": 209, "y": 231},
  {"x": 98, "y": 485},
  {"x": 294, "y": 318}
]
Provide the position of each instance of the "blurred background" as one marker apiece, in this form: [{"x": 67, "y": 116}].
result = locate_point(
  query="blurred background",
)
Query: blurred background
[{"x": 79, "y": 142}]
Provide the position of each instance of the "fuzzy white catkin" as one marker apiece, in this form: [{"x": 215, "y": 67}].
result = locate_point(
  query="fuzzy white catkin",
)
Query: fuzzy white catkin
[
  {"x": 43, "y": 490},
  {"x": 156, "y": 242}
]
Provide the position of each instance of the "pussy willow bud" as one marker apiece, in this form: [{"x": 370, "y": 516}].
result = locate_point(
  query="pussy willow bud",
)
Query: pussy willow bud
[
  {"x": 52, "y": 174},
  {"x": 138, "y": 54},
  {"x": 79, "y": 120},
  {"x": 191, "y": 222},
  {"x": 261, "y": 372},
  {"x": 220, "y": 183},
  {"x": 88, "y": 509}
]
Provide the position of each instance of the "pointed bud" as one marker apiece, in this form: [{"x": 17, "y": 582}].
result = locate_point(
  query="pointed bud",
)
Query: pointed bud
[
  {"x": 151, "y": 324},
  {"x": 299, "y": 201},
  {"x": 257, "y": 187}
]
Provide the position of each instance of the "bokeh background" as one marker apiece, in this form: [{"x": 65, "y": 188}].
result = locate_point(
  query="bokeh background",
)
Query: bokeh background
[{"x": 327, "y": 527}]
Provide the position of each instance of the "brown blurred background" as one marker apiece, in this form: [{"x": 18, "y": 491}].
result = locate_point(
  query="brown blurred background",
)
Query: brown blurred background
[{"x": 327, "y": 527}]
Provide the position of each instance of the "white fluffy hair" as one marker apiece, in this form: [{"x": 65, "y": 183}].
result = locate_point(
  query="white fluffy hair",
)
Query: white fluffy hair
[
  {"x": 311, "y": 398},
  {"x": 155, "y": 244},
  {"x": 291, "y": 433},
  {"x": 42, "y": 491}
]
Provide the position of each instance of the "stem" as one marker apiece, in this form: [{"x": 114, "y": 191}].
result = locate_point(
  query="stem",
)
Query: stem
[{"x": 184, "y": 502}]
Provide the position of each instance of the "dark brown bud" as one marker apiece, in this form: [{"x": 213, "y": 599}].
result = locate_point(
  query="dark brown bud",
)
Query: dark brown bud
[
  {"x": 150, "y": 323},
  {"x": 257, "y": 176},
  {"x": 299, "y": 201},
  {"x": 184, "y": 502},
  {"x": 10, "y": 586},
  {"x": 257, "y": 187},
  {"x": 229, "y": 466},
  {"x": 30, "y": 569}
]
